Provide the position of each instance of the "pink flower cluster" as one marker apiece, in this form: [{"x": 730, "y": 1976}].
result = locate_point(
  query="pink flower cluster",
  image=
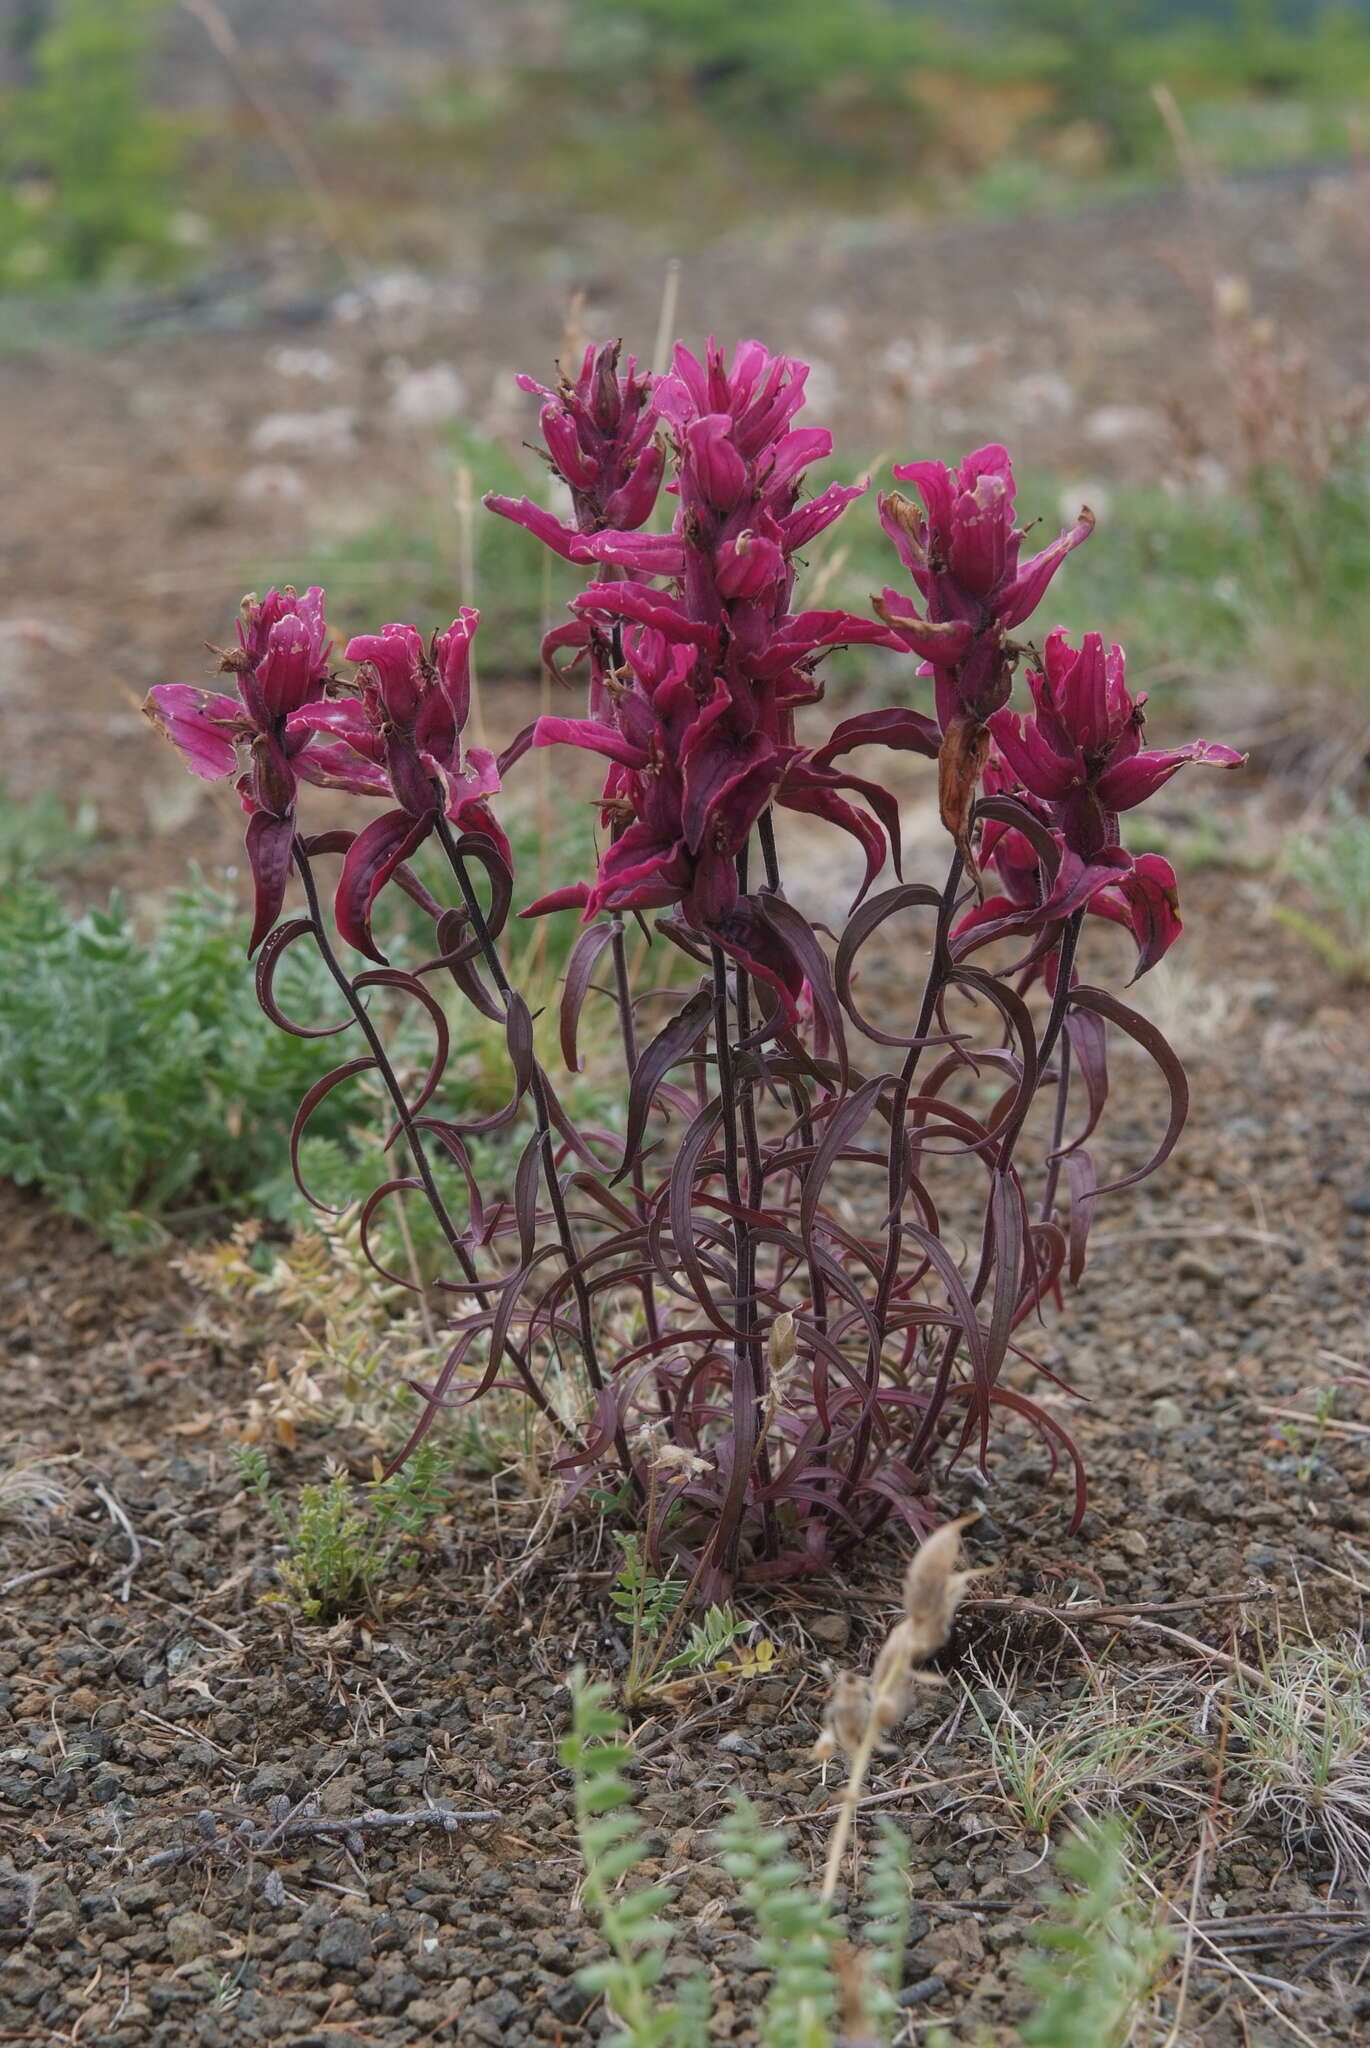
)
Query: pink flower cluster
[
  {"x": 698, "y": 666},
  {"x": 696, "y": 715},
  {"x": 399, "y": 737}
]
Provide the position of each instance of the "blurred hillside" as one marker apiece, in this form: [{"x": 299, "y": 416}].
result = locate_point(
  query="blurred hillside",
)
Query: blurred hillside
[{"x": 145, "y": 138}]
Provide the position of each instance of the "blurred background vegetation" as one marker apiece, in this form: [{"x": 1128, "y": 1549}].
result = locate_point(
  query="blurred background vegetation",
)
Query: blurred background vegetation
[{"x": 138, "y": 134}]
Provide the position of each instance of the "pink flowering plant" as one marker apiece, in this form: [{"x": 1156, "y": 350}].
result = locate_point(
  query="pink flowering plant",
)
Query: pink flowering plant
[{"x": 772, "y": 1303}]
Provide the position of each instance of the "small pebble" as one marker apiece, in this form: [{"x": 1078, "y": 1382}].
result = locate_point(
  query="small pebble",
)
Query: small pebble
[
  {"x": 190, "y": 1936},
  {"x": 920, "y": 1994}
]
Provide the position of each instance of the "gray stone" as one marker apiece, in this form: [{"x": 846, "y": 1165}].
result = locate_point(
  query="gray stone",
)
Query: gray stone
[{"x": 344, "y": 1945}]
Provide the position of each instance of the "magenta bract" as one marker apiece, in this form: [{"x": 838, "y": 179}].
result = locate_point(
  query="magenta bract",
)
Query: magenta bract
[{"x": 962, "y": 551}]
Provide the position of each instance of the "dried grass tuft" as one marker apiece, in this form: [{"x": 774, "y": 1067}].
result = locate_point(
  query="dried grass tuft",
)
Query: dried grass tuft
[{"x": 31, "y": 1490}]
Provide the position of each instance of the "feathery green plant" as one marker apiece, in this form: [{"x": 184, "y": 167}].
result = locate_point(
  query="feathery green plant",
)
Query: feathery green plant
[
  {"x": 1105, "y": 1950},
  {"x": 798, "y": 1931},
  {"x": 339, "y": 1552},
  {"x": 611, "y": 1845},
  {"x": 815, "y": 1980}
]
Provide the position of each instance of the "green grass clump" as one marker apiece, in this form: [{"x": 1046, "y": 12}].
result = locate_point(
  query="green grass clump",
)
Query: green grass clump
[
  {"x": 40, "y": 838},
  {"x": 1334, "y": 868}
]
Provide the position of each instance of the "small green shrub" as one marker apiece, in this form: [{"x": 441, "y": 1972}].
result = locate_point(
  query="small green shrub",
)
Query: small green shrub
[
  {"x": 88, "y": 167},
  {"x": 341, "y": 1547},
  {"x": 139, "y": 1079},
  {"x": 140, "y": 1083},
  {"x": 776, "y": 57}
]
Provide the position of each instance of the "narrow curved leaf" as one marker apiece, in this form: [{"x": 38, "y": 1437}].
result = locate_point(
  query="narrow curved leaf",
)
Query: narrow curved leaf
[
  {"x": 576, "y": 984},
  {"x": 275, "y": 945},
  {"x": 858, "y": 929},
  {"x": 671, "y": 1044},
  {"x": 1153, "y": 1042},
  {"x": 311, "y": 1101}
]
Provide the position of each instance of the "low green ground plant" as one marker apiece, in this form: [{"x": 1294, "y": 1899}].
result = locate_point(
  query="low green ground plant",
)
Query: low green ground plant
[
  {"x": 646, "y": 1604},
  {"x": 343, "y": 1544}
]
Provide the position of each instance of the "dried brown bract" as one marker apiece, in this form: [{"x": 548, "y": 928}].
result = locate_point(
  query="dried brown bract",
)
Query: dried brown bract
[
  {"x": 934, "y": 1589},
  {"x": 862, "y": 1710},
  {"x": 845, "y": 1717}
]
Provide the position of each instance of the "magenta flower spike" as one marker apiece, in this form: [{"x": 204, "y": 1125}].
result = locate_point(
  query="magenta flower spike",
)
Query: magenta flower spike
[
  {"x": 402, "y": 736},
  {"x": 279, "y": 664},
  {"x": 721, "y": 660},
  {"x": 962, "y": 551},
  {"x": 1075, "y": 764},
  {"x": 1081, "y": 750},
  {"x": 600, "y": 436}
]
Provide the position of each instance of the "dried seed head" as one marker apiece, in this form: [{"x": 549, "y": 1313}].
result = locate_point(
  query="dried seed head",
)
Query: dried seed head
[
  {"x": 845, "y": 1716},
  {"x": 893, "y": 1694},
  {"x": 649, "y": 1440},
  {"x": 675, "y": 1458},
  {"x": 783, "y": 1342},
  {"x": 934, "y": 1589}
]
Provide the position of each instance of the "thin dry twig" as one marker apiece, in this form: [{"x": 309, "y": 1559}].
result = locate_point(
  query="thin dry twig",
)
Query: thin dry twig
[
  {"x": 44, "y": 1571},
  {"x": 117, "y": 1514},
  {"x": 249, "y": 1838}
]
